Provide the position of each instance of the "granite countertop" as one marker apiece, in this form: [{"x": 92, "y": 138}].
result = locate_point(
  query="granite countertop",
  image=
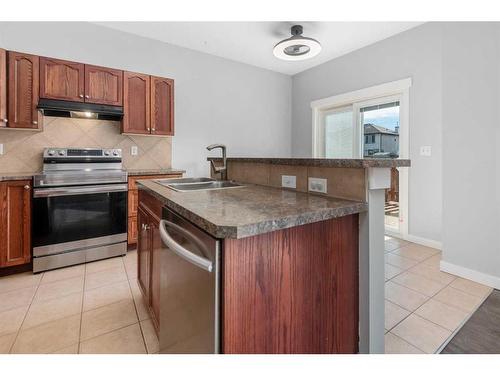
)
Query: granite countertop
[
  {"x": 17, "y": 176},
  {"x": 338, "y": 163},
  {"x": 252, "y": 209},
  {"x": 152, "y": 172}
]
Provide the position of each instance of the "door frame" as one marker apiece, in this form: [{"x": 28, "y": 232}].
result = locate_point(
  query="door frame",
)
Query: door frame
[{"x": 400, "y": 89}]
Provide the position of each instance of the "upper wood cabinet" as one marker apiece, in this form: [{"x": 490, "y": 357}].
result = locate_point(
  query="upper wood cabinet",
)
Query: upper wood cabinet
[
  {"x": 15, "y": 223},
  {"x": 148, "y": 104},
  {"x": 3, "y": 88},
  {"x": 103, "y": 85},
  {"x": 136, "y": 103},
  {"x": 23, "y": 91},
  {"x": 61, "y": 80},
  {"x": 162, "y": 106}
]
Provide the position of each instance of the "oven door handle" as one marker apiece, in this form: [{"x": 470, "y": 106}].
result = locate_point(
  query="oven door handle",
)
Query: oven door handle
[{"x": 78, "y": 190}]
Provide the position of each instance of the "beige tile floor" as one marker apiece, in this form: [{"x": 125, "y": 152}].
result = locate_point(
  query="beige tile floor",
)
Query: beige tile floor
[
  {"x": 98, "y": 307},
  {"x": 424, "y": 307},
  {"x": 89, "y": 308}
]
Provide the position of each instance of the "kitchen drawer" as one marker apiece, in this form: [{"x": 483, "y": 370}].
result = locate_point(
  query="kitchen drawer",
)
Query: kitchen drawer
[{"x": 150, "y": 203}]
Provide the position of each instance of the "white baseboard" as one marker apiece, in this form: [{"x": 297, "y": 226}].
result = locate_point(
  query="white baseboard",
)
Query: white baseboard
[
  {"x": 416, "y": 239},
  {"x": 467, "y": 273},
  {"x": 425, "y": 241}
]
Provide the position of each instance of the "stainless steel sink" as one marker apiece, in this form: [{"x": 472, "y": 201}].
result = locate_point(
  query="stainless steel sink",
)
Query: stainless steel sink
[{"x": 197, "y": 184}]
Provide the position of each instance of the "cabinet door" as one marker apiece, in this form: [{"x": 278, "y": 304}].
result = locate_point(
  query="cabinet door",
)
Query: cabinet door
[
  {"x": 143, "y": 252},
  {"x": 15, "y": 220},
  {"x": 23, "y": 86},
  {"x": 3, "y": 88},
  {"x": 136, "y": 103},
  {"x": 103, "y": 85},
  {"x": 61, "y": 80},
  {"x": 162, "y": 106},
  {"x": 156, "y": 248}
]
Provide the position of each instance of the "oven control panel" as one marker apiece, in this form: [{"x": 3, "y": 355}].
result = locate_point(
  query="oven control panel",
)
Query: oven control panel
[{"x": 79, "y": 153}]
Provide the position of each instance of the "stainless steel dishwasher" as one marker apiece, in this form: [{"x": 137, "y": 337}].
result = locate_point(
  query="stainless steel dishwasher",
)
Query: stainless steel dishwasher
[{"x": 189, "y": 287}]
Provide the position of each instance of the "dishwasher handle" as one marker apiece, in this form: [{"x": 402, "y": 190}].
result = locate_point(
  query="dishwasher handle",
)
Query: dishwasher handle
[{"x": 184, "y": 253}]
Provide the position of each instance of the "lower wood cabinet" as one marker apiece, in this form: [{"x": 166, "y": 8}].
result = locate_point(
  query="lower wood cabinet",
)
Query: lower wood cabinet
[
  {"x": 149, "y": 247},
  {"x": 15, "y": 223}
]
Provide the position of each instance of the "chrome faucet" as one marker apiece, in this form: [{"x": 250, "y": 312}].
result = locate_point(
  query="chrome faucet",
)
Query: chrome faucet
[{"x": 219, "y": 170}]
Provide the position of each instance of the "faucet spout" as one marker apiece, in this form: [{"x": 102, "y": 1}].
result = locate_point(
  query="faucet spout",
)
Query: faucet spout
[{"x": 217, "y": 169}]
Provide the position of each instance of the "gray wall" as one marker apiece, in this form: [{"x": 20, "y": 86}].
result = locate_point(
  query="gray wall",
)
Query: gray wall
[
  {"x": 216, "y": 100},
  {"x": 471, "y": 146},
  {"x": 415, "y": 53}
]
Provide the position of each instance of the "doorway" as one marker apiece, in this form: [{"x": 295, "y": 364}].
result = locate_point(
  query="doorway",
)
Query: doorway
[{"x": 368, "y": 128}]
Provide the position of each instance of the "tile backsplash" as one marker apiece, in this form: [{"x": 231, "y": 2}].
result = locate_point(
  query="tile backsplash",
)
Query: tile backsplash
[{"x": 23, "y": 149}]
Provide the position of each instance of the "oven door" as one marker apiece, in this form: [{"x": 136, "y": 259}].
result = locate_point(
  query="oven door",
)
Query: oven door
[{"x": 66, "y": 218}]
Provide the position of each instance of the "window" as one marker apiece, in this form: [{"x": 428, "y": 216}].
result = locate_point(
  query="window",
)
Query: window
[{"x": 339, "y": 135}]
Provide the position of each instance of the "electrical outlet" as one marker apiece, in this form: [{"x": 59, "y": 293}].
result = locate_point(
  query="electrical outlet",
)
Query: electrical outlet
[
  {"x": 317, "y": 185},
  {"x": 133, "y": 150},
  {"x": 425, "y": 151},
  {"x": 1, "y": 148},
  {"x": 289, "y": 182}
]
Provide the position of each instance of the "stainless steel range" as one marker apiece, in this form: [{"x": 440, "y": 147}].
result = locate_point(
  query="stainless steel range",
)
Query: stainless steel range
[{"x": 79, "y": 207}]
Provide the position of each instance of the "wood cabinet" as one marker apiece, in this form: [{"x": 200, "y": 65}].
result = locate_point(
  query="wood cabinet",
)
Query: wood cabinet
[
  {"x": 143, "y": 252},
  {"x": 162, "y": 106},
  {"x": 103, "y": 85},
  {"x": 148, "y": 105},
  {"x": 15, "y": 223},
  {"x": 23, "y": 91},
  {"x": 149, "y": 248},
  {"x": 136, "y": 103},
  {"x": 3, "y": 88},
  {"x": 133, "y": 199},
  {"x": 72, "y": 81},
  {"x": 62, "y": 80},
  {"x": 148, "y": 101}
]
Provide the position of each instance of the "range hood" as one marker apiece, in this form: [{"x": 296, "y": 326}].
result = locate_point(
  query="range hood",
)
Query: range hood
[{"x": 63, "y": 108}]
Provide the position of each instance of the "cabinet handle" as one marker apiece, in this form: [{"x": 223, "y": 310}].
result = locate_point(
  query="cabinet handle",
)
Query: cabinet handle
[
  {"x": 87, "y": 96},
  {"x": 153, "y": 129},
  {"x": 35, "y": 122},
  {"x": 5, "y": 120},
  {"x": 81, "y": 95},
  {"x": 145, "y": 227},
  {"x": 26, "y": 187}
]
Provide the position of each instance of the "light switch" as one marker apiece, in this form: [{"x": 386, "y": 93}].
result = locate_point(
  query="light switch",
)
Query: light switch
[
  {"x": 425, "y": 151},
  {"x": 1, "y": 148},
  {"x": 289, "y": 182},
  {"x": 133, "y": 150}
]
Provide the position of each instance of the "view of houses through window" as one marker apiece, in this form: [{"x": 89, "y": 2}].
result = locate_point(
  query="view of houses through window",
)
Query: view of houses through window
[{"x": 380, "y": 125}]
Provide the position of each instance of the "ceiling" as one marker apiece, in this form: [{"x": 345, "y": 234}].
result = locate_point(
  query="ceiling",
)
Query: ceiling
[{"x": 252, "y": 42}]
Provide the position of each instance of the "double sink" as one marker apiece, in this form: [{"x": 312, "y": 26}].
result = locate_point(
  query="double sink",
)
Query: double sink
[{"x": 196, "y": 184}]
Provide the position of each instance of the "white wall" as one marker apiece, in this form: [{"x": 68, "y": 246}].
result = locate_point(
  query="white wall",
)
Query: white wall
[
  {"x": 216, "y": 100},
  {"x": 417, "y": 54},
  {"x": 471, "y": 150}
]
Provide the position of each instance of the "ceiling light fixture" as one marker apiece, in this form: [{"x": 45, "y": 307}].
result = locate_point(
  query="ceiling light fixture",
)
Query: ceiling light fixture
[{"x": 297, "y": 47}]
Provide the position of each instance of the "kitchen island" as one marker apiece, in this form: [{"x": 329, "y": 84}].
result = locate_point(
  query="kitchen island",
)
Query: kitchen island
[
  {"x": 297, "y": 270},
  {"x": 288, "y": 265}
]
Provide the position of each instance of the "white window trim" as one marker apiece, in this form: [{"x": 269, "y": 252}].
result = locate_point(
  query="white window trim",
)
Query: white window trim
[{"x": 401, "y": 88}]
